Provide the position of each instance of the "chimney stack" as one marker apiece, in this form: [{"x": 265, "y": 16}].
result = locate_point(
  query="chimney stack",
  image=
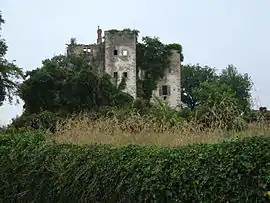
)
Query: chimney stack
[{"x": 99, "y": 33}]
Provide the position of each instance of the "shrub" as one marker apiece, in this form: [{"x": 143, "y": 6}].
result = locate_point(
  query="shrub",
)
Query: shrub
[
  {"x": 224, "y": 115},
  {"x": 39, "y": 171},
  {"x": 42, "y": 121}
]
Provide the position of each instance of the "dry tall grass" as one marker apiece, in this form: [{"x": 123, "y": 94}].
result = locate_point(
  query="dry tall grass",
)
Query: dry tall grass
[{"x": 146, "y": 131}]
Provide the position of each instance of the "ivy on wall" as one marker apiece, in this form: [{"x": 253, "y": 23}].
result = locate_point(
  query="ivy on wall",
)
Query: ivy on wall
[
  {"x": 153, "y": 58},
  {"x": 126, "y": 31}
]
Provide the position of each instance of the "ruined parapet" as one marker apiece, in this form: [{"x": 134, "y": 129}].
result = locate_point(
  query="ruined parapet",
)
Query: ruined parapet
[
  {"x": 120, "y": 58},
  {"x": 169, "y": 87},
  {"x": 94, "y": 53}
]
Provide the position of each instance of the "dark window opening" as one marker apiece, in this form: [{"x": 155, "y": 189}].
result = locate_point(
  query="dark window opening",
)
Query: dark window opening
[
  {"x": 115, "y": 52},
  {"x": 164, "y": 90},
  {"x": 165, "y": 98},
  {"x": 125, "y": 74},
  {"x": 86, "y": 51},
  {"x": 115, "y": 74}
]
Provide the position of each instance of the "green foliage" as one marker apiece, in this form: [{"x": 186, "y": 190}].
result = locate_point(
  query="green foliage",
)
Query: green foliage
[
  {"x": 218, "y": 107},
  {"x": 10, "y": 74},
  {"x": 122, "y": 84},
  {"x": 3, "y": 46},
  {"x": 178, "y": 48},
  {"x": 47, "y": 172},
  {"x": 153, "y": 58},
  {"x": 192, "y": 76},
  {"x": 68, "y": 85},
  {"x": 160, "y": 110},
  {"x": 127, "y": 31},
  {"x": 239, "y": 83},
  {"x": 45, "y": 121}
]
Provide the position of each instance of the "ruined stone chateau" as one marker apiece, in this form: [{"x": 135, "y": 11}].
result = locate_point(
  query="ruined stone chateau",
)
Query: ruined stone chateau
[{"x": 115, "y": 54}]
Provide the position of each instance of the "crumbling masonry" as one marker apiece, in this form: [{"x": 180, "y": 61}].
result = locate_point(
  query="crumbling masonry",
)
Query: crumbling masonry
[{"x": 116, "y": 56}]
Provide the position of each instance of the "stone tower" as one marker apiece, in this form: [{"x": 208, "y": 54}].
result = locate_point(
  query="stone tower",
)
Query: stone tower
[
  {"x": 120, "y": 58},
  {"x": 169, "y": 87}
]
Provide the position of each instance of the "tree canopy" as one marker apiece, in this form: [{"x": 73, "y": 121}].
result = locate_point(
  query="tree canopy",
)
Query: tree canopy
[
  {"x": 68, "y": 85},
  {"x": 10, "y": 74},
  {"x": 191, "y": 78},
  {"x": 195, "y": 79}
]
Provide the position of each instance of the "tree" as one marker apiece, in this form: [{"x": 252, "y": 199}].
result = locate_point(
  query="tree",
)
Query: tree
[
  {"x": 240, "y": 83},
  {"x": 68, "y": 85},
  {"x": 9, "y": 72},
  {"x": 191, "y": 78},
  {"x": 218, "y": 107}
]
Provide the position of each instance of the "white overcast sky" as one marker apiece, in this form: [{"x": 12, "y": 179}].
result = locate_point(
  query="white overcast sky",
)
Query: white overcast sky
[{"x": 212, "y": 32}]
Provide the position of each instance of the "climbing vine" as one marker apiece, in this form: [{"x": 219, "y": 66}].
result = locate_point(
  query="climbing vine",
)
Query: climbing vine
[
  {"x": 153, "y": 58},
  {"x": 177, "y": 47},
  {"x": 125, "y": 31}
]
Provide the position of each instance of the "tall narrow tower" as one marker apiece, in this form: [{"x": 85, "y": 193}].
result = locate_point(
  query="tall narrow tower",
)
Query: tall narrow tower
[
  {"x": 120, "y": 58},
  {"x": 169, "y": 87}
]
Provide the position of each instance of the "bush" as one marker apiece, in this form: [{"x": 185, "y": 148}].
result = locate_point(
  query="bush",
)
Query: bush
[
  {"x": 41, "y": 121},
  {"x": 33, "y": 169}
]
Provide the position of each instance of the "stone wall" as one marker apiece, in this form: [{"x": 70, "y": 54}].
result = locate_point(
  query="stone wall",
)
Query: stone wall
[
  {"x": 93, "y": 52},
  {"x": 171, "y": 80},
  {"x": 117, "y": 57},
  {"x": 120, "y": 59}
]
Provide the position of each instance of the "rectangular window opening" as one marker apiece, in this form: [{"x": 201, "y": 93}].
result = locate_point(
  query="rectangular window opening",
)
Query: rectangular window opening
[
  {"x": 115, "y": 74},
  {"x": 115, "y": 52},
  {"x": 125, "y": 74},
  {"x": 86, "y": 50},
  {"x": 164, "y": 90}
]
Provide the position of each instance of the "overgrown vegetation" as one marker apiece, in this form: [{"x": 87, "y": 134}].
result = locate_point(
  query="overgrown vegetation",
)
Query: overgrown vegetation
[
  {"x": 126, "y": 31},
  {"x": 153, "y": 58},
  {"x": 57, "y": 88},
  {"x": 10, "y": 74},
  {"x": 212, "y": 100},
  {"x": 68, "y": 100},
  {"x": 67, "y": 86},
  {"x": 226, "y": 172}
]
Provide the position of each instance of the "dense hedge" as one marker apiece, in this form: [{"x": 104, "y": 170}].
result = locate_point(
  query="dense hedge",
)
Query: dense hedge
[{"x": 33, "y": 169}]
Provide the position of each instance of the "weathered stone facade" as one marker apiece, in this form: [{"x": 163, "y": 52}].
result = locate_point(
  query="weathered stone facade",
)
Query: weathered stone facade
[
  {"x": 93, "y": 52},
  {"x": 120, "y": 59},
  {"x": 169, "y": 87},
  {"x": 116, "y": 55}
]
